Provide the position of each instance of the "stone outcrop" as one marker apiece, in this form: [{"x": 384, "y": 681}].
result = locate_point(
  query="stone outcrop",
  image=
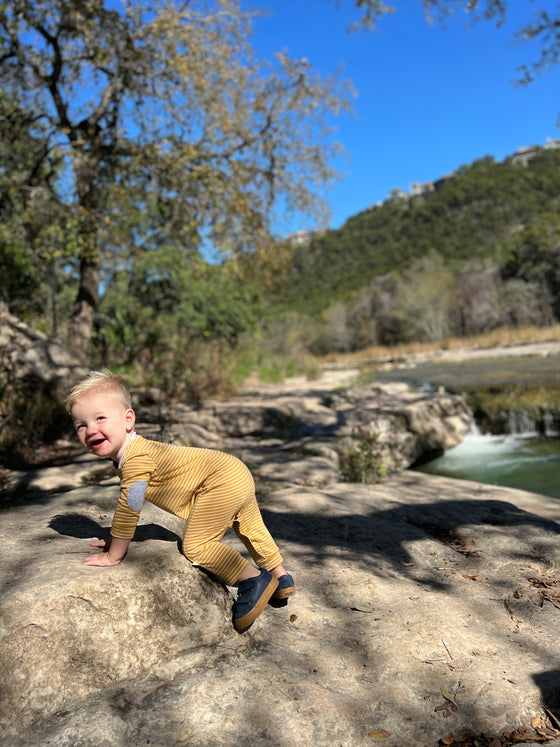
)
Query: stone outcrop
[
  {"x": 30, "y": 356},
  {"x": 425, "y": 608},
  {"x": 400, "y": 425},
  {"x": 68, "y": 634}
]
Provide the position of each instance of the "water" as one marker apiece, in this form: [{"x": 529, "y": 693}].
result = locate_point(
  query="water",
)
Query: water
[{"x": 521, "y": 460}]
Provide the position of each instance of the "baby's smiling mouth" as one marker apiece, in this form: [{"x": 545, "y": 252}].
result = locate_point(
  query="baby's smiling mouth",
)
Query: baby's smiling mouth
[{"x": 97, "y": 442}]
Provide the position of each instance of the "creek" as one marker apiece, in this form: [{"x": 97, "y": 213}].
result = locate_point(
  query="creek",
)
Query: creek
[
  {"x": 525, "y": 461},
  {"x": 523, "y": 456}
]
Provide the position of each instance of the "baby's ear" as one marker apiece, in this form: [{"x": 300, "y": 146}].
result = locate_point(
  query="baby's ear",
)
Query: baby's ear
[{"x": 130, "y": 418}]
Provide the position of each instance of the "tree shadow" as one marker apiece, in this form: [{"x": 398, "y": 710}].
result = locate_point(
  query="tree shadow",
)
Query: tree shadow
[
  {"x": 386, "y": 533},
  {"x": 82, "y": 527},
  {"x": 549, "y": 685}
]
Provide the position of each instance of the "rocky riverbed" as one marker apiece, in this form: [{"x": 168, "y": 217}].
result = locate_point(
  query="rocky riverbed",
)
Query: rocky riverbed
[{"x": 426, "y": 610}]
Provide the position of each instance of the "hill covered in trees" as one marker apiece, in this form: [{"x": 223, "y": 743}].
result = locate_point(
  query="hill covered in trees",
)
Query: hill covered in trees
[
  {"x": 479, "y": 251},
  {"x": 476, "y": 214}
]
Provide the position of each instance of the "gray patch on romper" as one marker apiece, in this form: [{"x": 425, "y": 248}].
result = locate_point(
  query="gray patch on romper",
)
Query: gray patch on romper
[{"x": 135, "y": 495}]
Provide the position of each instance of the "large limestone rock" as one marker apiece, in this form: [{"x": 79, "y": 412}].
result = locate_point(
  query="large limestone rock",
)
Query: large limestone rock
[
  {"x": 70, "y": 632},
  {"x": 30, "y": 356},
  {"x": 426, "y": 607},
  {"x": 404, "y": 426}
]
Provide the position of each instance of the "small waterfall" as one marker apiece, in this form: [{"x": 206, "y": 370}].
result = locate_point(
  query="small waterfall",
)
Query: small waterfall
[
  {"x": 521, "y": 423},
  {"x": 523, "y": 459},
  {"x": 551, "y": 427}
]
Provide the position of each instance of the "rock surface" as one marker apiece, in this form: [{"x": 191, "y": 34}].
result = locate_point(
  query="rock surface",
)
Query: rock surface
[
  {"x": 426, "y": 607},
  {"x": 31, "y": 356}
]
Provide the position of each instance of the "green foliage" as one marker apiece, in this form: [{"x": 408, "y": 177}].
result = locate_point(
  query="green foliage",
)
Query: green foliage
[
  {"x": 492, "y": 406},
  {"x": 169, "y": 128},
  {"x": 28, "y": 212},
  {"x": 177, "y": 320},
  {"x": 273, "y": 352},
  {"x": 363, "y": 462},
  {"x": 474, "y": 214},
  {"x": 29, "y": 418},
  {"x": 535, "y": 256}
]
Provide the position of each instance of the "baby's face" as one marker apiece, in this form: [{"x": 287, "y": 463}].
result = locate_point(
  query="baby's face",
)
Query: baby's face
[{"x": 103, "y": 424}]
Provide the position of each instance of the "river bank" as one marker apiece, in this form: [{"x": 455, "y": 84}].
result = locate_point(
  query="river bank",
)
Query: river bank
[
  {"x": 513, "y": 392},
  {"x": 471, "y": 368}
]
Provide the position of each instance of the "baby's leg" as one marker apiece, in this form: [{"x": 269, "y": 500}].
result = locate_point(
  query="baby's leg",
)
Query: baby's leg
[
  {"x": 213, "y": 511},
  {"x": 250, "y": 528}
]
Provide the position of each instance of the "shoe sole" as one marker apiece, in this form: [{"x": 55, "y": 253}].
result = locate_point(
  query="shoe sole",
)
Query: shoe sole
[
  {"x": 284, "y": 593},
  {"x": 245, "y": 622},
  {"x": 281, "y": 596}
]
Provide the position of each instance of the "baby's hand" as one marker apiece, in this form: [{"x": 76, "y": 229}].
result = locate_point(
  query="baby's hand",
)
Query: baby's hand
[
  {"x": 100, "y": 543},
  {"x": 100, "y": 558},
  {"x": 116, "y": 550}
]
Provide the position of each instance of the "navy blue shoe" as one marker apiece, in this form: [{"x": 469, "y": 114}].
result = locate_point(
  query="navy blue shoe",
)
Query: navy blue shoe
[
  {"x": 252, "y": 597},
  {"x": 285, "y": 589}
]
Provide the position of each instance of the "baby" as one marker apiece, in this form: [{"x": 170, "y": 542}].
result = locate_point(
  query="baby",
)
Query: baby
[{"x": 212, "y": 490}]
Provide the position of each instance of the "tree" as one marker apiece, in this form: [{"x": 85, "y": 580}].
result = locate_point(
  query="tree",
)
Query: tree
[
  {"x": 426, "y": 301},
  {"x": 169, "y": 127},
  {"x": 542, "y": 27},
  {"x": 535, "y": 259},
  {"x": 29, "y": 212}
]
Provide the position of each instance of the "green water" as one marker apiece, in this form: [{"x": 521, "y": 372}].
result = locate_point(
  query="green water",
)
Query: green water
[{"x": 527, "y": 462}]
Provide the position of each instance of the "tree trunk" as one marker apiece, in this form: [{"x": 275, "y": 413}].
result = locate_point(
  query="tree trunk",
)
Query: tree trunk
[{"x": 80, "y": 328}]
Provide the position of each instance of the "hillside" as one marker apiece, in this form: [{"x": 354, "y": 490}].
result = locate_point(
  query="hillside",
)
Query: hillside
[{"x": 477, "y": 213}]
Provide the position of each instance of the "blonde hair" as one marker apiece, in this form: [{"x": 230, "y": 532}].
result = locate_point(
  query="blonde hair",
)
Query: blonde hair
[{"x": 103, "y": 380}]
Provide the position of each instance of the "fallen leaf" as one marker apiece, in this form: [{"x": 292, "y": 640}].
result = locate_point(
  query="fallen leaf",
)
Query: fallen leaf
[
  {"x": 448, "y": 696},
  {"x": 360, "y": 608},
  {"x": 414, "y": 599},
  {"x": 447, "y": 739},
  {"x": 536, "y": 722},
  {"x": 103, "y": 516},
  {"x": 379, "y": 734},
  {"x": 446, "y": 713},
  {"x": 293, "y": 618},
  {"x": 472, "y": 578},
  {"x": 63, "y": 713}
]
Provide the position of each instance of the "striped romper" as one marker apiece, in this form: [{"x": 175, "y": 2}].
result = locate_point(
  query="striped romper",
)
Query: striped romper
[{"x": 212, "y": 490}]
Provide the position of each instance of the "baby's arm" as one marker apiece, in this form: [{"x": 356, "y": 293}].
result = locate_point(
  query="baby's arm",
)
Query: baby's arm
[{"x": 117, "y": 551}]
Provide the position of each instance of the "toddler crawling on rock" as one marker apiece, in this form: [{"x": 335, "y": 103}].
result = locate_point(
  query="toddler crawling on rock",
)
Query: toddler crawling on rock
[{"x": 212, "y": 490}]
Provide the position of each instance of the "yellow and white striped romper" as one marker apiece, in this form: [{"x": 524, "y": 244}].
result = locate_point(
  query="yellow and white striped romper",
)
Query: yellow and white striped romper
[{"x": 210, "y": 489}]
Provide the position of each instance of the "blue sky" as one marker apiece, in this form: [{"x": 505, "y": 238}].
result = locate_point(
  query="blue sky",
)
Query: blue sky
[{"x": 430, "y": 99}]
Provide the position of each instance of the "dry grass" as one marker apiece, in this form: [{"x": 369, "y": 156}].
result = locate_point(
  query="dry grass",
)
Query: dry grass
[{"x": 502, "y": 336}]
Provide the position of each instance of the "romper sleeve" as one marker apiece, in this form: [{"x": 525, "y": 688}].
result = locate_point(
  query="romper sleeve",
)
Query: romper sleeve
[{"x": 135, "y": 474}]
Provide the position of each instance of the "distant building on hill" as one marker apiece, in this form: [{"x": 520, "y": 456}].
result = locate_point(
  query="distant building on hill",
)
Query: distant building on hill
[
  {"x": 522, "y": 156},
  {"x": 418, "y": 189},
  {"x": 304, "y": 237}
]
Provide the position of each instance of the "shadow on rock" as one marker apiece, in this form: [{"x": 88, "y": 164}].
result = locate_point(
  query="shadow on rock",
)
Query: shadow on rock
[
  {"x": 456, "y": 526},
  {"x": 549, "y": 685},
  {"x": 82, "y": 527}
]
